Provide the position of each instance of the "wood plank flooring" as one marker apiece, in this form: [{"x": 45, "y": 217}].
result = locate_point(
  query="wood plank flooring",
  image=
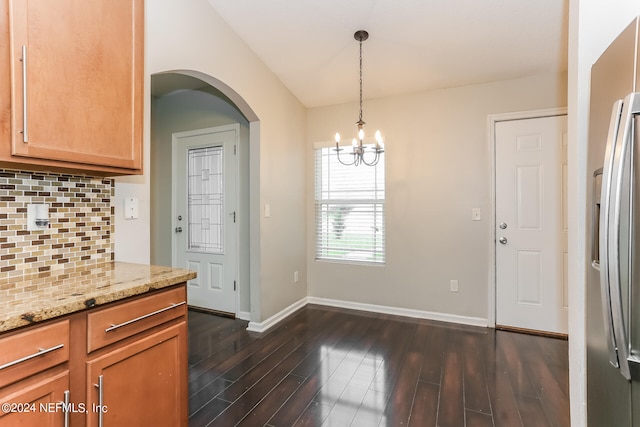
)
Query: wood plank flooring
[{"x": 333, "y": 367}]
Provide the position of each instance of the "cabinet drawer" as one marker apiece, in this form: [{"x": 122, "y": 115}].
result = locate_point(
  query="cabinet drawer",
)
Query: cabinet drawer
[
  {"x": 33, "y": 350},
  {"x": 113, "y": 324}
]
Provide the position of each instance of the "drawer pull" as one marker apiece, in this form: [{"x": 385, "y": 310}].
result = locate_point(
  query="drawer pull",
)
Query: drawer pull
[
  {"x": 40, "y": 352},
  {"x": 137, "y": 319}
]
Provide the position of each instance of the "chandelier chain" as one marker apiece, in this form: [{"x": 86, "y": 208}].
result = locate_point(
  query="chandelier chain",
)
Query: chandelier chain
[{"x": 360, "y": 118}]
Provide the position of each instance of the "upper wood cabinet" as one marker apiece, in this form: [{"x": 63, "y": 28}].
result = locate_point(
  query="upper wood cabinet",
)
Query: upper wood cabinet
[{"x": 74, "y": 99}]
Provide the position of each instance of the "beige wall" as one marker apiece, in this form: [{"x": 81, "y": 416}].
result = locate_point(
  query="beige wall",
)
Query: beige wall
[
  {"x": 189, "y": 35},
  {"x": 438, "y": 168}
]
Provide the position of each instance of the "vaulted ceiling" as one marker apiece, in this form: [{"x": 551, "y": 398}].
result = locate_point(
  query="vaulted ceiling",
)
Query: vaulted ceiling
[{"x": 413, "y": 45}]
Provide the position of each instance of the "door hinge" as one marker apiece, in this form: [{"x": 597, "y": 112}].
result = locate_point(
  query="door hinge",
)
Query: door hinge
[
  {"x": 234, "y": 217},
  {"x": 235, "y": 150},
  {"x": 234, "y": 285}
]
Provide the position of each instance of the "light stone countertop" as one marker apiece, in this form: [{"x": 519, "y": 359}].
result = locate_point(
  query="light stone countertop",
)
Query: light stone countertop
[{"x": 34, "y": 298}]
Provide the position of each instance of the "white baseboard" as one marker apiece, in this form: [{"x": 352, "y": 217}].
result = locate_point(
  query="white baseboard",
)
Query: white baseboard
[
  {"x": 243, "y": 315},
  {"x": 382, "y": 309},
  {"x": 268, "y": 323},
  {"x": 398, "y": 311}
]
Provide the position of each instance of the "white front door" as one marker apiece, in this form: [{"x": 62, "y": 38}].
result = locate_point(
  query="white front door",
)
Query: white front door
[
  {"x": 205, "y": 228},
  {"x": 531, "y": 224}
]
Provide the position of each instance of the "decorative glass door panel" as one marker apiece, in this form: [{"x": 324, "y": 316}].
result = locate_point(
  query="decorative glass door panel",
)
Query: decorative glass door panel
[{"x": 206, "y": 199}]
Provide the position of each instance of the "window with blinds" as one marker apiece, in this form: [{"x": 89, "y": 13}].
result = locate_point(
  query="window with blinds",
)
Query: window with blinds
[{"x": 349, "y": 210}]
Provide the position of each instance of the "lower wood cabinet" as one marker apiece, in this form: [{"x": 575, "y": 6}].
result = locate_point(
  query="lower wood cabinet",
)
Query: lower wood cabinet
[
  {"x": 38, "y": 401},
  {"x": 140, "y": 384},
  {"x": 124, "y": 364}
]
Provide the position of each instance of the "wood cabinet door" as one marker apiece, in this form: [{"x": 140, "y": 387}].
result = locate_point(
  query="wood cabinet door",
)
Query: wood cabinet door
[
  {"x": 144, "y": 383},
  {"x": 77, "y": 80},
  {"x": 38, "y": 403}
]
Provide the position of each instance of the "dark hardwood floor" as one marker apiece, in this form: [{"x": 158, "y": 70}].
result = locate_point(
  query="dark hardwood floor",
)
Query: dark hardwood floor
[{"x": 332, "y": 367}]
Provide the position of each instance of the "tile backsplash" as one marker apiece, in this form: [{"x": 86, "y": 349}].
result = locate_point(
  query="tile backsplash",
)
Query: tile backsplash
[{"x": 81, "y": 222}]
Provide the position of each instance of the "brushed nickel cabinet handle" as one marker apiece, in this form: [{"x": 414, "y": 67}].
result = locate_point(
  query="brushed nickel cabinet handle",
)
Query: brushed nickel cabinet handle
[
  {"x": 100, "y": 387},
  {"x": 66, "y": 408},
  {"x": 137, "y": 319},
  {"x": 40, "y": 352},
  {"x": 25, "y": 131}
]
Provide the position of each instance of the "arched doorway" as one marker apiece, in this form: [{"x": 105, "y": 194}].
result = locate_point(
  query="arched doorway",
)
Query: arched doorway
[{"x": 182, "y": 101}]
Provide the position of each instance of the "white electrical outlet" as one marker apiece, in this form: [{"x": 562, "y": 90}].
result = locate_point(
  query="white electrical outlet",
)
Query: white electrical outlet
[
  {"x": 453, "y": 284},
  {"x": 295, "y": 277},
  {"x": 131, "y": 208}
]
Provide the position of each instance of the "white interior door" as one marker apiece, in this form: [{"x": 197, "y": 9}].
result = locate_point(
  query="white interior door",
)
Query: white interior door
[
  {"x": 205, "y": 228},
  {"x": 531, "y": 224}
]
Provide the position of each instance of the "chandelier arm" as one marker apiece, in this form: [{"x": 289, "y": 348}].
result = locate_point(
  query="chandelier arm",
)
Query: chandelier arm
[
  {"x": 340, "y": 160},
  {"x": 375, "y": 160}
]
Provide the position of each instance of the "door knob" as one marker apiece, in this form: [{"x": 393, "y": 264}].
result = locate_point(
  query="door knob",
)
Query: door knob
[
  {"x": 178, "y": 229},
  {"x": 502, "y": 226},
  {"x": 503, "y": 240}
]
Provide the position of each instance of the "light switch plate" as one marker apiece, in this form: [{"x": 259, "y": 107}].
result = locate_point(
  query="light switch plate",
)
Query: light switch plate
[
  {"x": 267, "y": 211},
  {"x": 475, "y": 214}
]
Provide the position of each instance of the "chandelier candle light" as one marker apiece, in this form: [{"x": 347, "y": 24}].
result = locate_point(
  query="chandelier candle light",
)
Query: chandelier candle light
[{"x": 358, "y": 147}]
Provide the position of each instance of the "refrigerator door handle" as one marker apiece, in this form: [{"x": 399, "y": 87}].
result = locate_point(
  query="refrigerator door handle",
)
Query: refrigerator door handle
[
  {"x": 605, "y": 209},
  {"x": 631, "y": 106}
]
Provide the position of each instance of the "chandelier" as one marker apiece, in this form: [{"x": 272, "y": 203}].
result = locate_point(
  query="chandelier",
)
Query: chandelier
[{"x": 359, "y": 150}]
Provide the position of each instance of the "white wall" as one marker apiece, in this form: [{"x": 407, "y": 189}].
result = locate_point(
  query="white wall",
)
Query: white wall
[
  {"x": 438, "y": 169},
  {"x": 189, "y": 35},
  {"x": 593, "y": 24}
]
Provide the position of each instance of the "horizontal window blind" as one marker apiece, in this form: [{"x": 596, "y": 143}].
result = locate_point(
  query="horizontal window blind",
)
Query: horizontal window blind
[{"x": 349, "y": 210}]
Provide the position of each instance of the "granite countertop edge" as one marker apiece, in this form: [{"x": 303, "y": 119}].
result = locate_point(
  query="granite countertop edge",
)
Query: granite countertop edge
[{"x": 80, "y": 290}]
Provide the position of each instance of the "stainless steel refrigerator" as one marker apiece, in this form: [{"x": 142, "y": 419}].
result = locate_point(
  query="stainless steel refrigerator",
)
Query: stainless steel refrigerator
[{"x": 613, "y": 279}]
